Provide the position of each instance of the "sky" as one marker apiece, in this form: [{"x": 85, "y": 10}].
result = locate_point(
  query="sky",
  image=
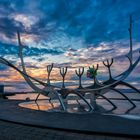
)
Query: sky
[{"x": 67, "y": 33}]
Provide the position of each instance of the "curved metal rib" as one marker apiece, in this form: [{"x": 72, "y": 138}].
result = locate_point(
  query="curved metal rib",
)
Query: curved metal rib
[
  {"x": 124, "y": 96},
  {"x": 114, "y": 106},
  {"x": 60, "y": 100},
  {"x": 130, "y": 64},
  {"x": 130, "y": 86},
  {"x": 51, "y": 103},
  {"x": 37, "y": 97}
]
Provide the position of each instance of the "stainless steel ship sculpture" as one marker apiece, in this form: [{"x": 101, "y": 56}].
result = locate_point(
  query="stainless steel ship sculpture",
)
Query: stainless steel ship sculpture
[{"x": 95, "y": 90}]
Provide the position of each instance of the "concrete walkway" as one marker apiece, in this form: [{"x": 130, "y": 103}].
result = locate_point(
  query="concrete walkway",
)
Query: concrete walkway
[
  {"x": 12, "y": 131},
  {"x": 21, "y": 123}
]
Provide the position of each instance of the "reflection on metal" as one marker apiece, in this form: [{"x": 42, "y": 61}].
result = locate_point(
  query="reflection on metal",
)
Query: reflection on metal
[
  {"x": 97, "y": 89},
  {"x": 49, "y": 69},
  {"x": 79, "y": 73},
  {"x": 63, "y": 72},
  {"x": 41, "y": 105},
  {"x": 108, "y": 65}
]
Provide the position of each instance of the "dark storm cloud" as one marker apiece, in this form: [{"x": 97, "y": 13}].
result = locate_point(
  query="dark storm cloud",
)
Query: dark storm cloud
[
  {"x": 93, "y": 20},
  {"x": 9, "y": 27}
]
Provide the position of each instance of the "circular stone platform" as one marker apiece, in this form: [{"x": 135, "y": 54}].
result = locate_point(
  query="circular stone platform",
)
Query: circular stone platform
[
  {"x": 44, "y": 105},
  {"x": 91, "y": 123}
]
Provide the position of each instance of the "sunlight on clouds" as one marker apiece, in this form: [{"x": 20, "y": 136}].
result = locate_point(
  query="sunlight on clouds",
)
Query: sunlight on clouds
[
  {"x": 100, "y": 52},
  {"x": 29, "y": 39},
  {"x": 103, "y": 46},
  {"x": 49, "y": 58},
  {"x": 27, "y": 20}
]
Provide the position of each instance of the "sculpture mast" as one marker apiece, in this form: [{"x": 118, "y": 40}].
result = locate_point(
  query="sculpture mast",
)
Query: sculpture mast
[{"x": 130, "y": 35}]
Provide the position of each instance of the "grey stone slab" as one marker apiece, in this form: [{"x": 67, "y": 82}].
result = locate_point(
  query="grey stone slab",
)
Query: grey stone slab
[{"x": 93, "y": 123}]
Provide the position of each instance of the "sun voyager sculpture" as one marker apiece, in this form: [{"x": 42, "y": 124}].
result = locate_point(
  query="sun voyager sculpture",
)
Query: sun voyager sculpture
[{"x": 97, "y": 89}]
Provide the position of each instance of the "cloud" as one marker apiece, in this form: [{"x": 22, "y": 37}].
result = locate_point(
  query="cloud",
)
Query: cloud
[
  {"x": 7, "y": 49},
  {"x": 91, "y": 21},
  {"x": 67, "y": 33},
  {"x": 100, "y": 52},
  {"x": 26, "y": 20}
]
